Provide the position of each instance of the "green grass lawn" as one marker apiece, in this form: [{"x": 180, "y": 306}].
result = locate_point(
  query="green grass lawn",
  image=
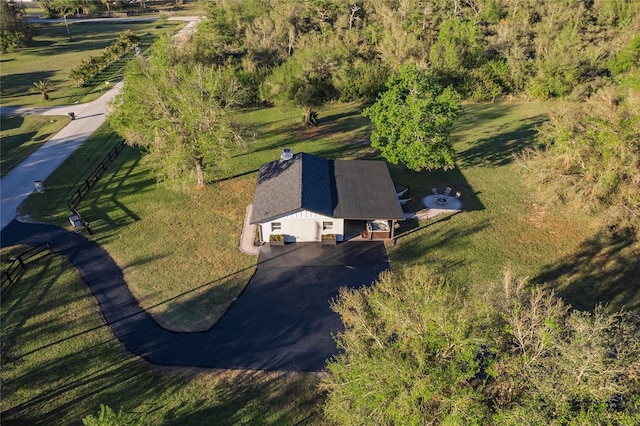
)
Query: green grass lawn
[
  {"x": 22, "y": 135},
  {"x": 60, "y": 362},
  {"x": 52, "y": 56},
  {"x": 178, "y": 247},
  {"x": 502, "y": 228}
]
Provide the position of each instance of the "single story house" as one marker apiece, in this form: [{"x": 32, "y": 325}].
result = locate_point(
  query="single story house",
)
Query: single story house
[{"x": 303, "y": 196}]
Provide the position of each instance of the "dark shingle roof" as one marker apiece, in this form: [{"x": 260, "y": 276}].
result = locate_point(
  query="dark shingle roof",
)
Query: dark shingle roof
[
  {"x": 349, "y": 189},
  {"x": 365, "y": 191}
]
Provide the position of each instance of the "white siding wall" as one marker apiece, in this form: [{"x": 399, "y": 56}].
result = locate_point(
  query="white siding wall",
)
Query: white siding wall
[{"x": 303, "y": 226}]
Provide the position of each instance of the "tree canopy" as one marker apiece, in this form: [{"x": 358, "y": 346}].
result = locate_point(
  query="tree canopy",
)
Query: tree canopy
[
  {"x": 176, "y": 112},
  {"x": 305, "y": 80},
  {"x": 416, "y": 350},
  {"x": 591, "y": 151},
  {"x": 15, "y": 31},
  {"x": 413, "y": 120},
  {"x": 555, "y": 48}
]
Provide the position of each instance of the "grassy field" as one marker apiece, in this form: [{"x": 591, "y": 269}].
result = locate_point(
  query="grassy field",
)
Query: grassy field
[
  {"x": 59, "y": 363},
  {"x": 187, "y": 282},
  {"x": 178, "y": 249},
  {"x": 22, "y": 135},
  {"x": 52, "y": 56}
]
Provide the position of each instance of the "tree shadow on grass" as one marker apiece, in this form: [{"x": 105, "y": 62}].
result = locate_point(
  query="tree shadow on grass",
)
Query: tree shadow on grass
[
  {"x": 14, "y": 85},
  {"x": 239, "y": 396},
  {"x": 335, "y": 124},
  {"x": 10, "y": 122},
  {"x": 109, "y": 212},
  {"x": 499, "y": 149},
  {"x": 602, "y": 271},
  {"x": 415, "y": 251},
  {"x": 330, "y": 126}
]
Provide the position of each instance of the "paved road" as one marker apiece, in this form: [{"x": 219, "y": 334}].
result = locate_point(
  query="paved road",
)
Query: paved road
[
  {"x": 16, "y": 186},
  {"x": 282, "y": 320}
]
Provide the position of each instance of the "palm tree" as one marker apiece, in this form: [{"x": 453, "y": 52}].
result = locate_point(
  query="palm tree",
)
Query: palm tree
[{"x": 43, "y": 87}]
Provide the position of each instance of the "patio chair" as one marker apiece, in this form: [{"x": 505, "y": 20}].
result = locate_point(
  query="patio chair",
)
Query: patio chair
[
  {"x": 447, "y": 191},
  {"x": 458, "y": 194},
  {"x": 434, "y": 190},
  {"x": 401, "y": 192}
]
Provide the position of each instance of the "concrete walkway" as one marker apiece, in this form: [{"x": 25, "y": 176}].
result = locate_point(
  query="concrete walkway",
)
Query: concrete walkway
[{"x": 248, "y": 233}]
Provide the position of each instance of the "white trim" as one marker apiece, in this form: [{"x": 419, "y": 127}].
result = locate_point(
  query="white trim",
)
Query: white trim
[{"x": 303, "y": 226}]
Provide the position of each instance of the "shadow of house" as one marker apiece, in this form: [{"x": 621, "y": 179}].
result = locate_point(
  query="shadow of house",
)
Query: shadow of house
[
  {"x": 422, "y": 183},
  {"x": 17, "y": 85}
]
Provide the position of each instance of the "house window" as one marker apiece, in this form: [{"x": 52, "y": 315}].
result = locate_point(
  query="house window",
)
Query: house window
[
  {"x": 276, "y": 226},
  {"x": 327, "y": 226}
]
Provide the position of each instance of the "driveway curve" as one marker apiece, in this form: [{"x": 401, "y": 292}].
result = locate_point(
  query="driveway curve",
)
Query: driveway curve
[{"x": 281, "y": 321}]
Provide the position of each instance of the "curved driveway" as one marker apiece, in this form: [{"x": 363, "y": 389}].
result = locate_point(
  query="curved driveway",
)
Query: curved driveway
[{"x": 282, "y": 320}]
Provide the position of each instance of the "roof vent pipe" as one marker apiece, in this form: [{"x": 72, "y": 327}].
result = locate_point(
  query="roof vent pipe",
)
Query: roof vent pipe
[{"x": 286, "y": 155}]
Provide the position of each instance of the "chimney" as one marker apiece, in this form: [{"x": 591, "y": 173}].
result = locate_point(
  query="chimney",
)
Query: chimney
[{"x": 286, "y": 155}]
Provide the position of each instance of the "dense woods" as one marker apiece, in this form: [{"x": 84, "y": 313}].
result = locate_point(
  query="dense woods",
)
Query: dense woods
[{"x": 485, "y": 48}]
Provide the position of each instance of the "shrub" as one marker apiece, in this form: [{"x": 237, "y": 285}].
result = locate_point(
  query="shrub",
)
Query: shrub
[{"x": 89, "y": 68}]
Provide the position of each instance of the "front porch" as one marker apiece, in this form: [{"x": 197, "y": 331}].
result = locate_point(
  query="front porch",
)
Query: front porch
[{"x": 357, "y": 230}]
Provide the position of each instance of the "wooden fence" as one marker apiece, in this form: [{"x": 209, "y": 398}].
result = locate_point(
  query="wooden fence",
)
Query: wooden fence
[
  {"x": 20, "y": 263},
  {"x": 75, "y": 218},
  {"x": 90, "y": 182}
]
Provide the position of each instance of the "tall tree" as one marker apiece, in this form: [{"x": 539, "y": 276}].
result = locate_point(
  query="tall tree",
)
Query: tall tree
[
  {"x": 15, "y": 31},
  {"x": 413, "y": 120},
  {"x": 306, "y": 79},
  {"x": 65, "y": 8},
  {"x": 177, "y": 113}
]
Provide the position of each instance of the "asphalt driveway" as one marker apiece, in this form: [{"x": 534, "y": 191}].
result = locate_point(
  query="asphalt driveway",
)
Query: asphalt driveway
[{"x": 282, "y": 320}]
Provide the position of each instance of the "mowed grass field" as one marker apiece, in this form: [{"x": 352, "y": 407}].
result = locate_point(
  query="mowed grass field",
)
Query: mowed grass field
[
  {"x": 21, "y": 136},
  {"x": 178, "y": 248},
  {"x": 60, "y": 362},
  {"x": 52, "y": 56}
]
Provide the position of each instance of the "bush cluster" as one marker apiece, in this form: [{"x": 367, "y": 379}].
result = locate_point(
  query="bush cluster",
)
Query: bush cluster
[{"x": 90, "y": 67}]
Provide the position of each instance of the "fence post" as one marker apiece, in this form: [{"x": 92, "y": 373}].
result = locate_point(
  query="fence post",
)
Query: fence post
[{"x": 93, "y": 178}]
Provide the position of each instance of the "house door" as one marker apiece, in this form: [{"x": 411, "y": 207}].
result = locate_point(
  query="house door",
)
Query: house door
[{"x": 306, "y": 230}]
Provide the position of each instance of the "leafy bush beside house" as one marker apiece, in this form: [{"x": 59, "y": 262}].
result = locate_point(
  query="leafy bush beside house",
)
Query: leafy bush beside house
[{"x": 419, "y": 350}]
